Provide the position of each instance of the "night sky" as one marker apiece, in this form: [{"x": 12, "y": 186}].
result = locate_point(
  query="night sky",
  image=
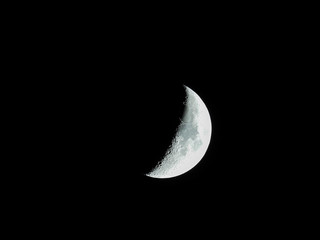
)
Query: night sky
[{"x": 103, "y": 108}]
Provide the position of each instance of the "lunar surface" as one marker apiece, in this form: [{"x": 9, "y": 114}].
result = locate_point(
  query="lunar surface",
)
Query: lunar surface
[{"x": 190, "y": 142}]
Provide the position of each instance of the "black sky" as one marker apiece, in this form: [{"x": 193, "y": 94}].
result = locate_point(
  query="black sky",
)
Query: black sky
[{"x": 105, "y": 103}]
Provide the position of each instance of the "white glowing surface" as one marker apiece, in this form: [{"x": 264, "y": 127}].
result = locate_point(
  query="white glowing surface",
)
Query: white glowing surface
[{"x": 191, "y": 141}]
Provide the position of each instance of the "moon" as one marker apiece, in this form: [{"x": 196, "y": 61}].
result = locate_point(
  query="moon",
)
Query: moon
[{"x": 191, "y": 141}]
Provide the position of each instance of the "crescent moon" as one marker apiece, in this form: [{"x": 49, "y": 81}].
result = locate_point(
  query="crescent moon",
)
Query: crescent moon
[{"x": 191, "y": 142}]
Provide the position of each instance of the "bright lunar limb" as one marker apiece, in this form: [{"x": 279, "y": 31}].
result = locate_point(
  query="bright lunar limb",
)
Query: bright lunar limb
[{"x": 191, "y": 141}]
